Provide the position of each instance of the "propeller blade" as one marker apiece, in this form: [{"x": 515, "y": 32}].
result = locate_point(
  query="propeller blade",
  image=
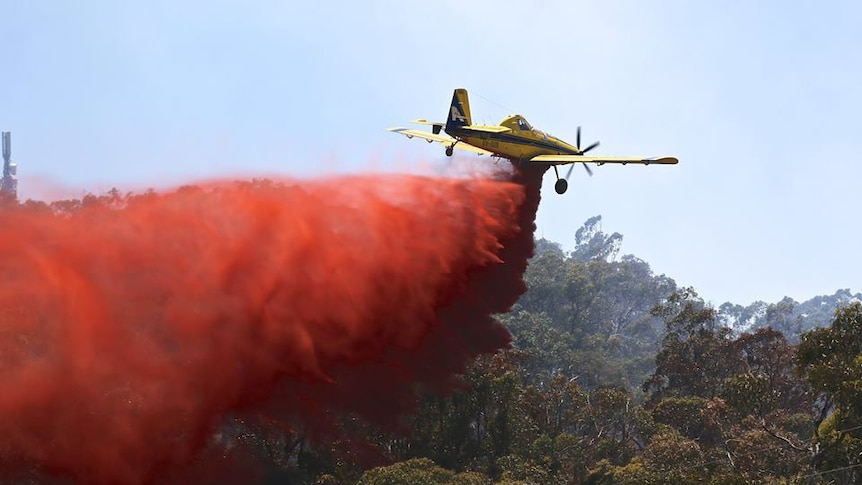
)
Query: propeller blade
[
  {"x": 587, "y": 167},
  {"x": 578, "y": 142},
  {"x": 570, "y": 171},
  {"x": 585, "y": 150}
]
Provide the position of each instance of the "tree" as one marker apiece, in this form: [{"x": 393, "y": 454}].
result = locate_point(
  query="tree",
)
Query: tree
[
  {"x": 592, "y": 244},
  {"x": 675, "y": 458},
  {"x": 614, "y": 419},
  {"x": 781, "y": 317},
  {"x": 684, "y": 414},
  {"x": 556, "y": 407},
  {"x": 696, "y": 356},
  {"x": 769, "y": 380},
  {"x": 548, "y": 350},
  {"x": 593, "y": 311},
  {"x": 419, "y": 471},
  {"x": 831, "y": 359},
  {"x": 545, "y": 278},
  {"x": 475, "y": 427}
]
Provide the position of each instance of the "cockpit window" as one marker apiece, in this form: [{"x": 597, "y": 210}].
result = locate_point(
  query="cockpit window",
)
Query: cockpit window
[{"x": 522, "y": 124}]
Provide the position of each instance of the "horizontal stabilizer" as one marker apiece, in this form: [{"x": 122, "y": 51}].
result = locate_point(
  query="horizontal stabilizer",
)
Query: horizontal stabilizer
[
  {"x": 423, "y": 121},
  {"x": 446, "y": 140},
  {"x": 424, "y": 135},
  {"x": 436, "y": 126}
]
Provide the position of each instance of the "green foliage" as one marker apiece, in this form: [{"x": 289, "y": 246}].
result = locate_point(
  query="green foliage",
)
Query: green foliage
[
  {"x": 550, "y": 350},
  {"x": 760, "y": 458},
  {"x": 455, "y": 431},
  {"x": 748, "y": 394},
  {"x": 770, "y": 380},
  {"x": 419, "y": 471},
  {"x": 831, "y": 358},
  {"x": 556, "y": 407},
  {"x": 471, "y": 478},
  {"x": 587, "y": 313},
  {"x": 693, "y": 360},
  {"x": 787, "y": 316},
  {"x": 591, "y": 244},
  {"x": 684, "y": 414},
  {"x": 677, "y": 458}
]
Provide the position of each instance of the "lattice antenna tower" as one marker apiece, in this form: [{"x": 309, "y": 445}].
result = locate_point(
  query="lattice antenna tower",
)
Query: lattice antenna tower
[{"x": 9, "y": 182}]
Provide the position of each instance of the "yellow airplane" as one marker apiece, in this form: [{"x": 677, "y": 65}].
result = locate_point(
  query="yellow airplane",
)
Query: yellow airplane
[{"x": 515, "y": 140}]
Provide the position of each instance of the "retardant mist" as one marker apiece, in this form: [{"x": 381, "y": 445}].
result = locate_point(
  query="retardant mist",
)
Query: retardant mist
[{"x": 126, "y": 332}]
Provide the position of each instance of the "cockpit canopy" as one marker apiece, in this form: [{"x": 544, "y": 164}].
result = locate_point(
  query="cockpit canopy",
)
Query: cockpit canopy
[{"x": 517, "y": 122}]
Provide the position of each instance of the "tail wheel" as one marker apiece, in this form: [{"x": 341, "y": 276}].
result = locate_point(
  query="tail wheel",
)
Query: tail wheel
[
  {"x": 561, "y": 186},
  {"x": 449, "y": 151}
]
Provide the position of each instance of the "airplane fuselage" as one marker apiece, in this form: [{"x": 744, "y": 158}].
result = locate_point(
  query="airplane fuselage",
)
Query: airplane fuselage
[{"x": 518, "y": 142}]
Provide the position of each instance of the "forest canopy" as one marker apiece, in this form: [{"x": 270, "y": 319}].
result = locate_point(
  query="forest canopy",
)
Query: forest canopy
[{"x": 618, "y": 375}]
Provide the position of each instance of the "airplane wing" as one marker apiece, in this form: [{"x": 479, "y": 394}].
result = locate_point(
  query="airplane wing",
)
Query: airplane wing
[
  {"x": 444, "y": 139},
  {"x": 564, "y": 159}
]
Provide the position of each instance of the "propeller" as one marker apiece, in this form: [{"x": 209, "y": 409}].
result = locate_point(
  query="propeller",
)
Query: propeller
[{"x": 585, "y": 150}]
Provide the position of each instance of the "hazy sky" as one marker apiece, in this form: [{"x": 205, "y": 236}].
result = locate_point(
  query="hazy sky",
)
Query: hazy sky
[{"x": 760, "y": 101}]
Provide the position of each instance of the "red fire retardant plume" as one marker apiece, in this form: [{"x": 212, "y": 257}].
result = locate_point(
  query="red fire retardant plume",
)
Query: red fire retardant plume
[{"x": 125, "y": 333}]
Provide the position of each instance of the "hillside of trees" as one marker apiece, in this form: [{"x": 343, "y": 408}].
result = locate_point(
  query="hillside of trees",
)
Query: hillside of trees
[
  {"x": 616, "y": 376},
  {"x": 789, "y": 316}
]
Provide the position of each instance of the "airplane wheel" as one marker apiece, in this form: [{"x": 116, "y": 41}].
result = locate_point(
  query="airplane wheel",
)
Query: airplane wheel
[
  {"x": 448, "y": 151},
  {"x": 561, "y": 186}
]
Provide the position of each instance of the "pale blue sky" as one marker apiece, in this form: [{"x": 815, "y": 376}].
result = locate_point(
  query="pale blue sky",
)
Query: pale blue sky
[{"x": 759, "y": 100}]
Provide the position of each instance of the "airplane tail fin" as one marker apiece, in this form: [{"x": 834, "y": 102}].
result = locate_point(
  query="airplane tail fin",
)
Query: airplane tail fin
[{"x": 459, "y": 111}]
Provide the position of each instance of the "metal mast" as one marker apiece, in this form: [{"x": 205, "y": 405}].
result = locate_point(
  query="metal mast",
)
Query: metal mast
[{"x": 8, "y": 184}]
